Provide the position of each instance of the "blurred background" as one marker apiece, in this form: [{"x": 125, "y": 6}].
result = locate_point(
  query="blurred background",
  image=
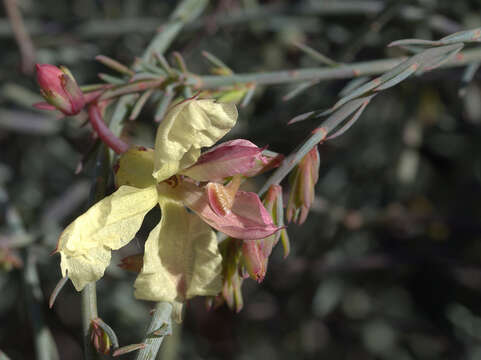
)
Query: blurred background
[{"x": 387, "y": 265}]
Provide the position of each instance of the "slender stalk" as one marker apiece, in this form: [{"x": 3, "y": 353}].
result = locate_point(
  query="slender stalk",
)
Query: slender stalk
[
  {"x": 348, "y": 71},
  {"x": 89, "y": 312},
  {"x": 25, "y": 44},
  {"x": 89, "y": 295},
  {"x": 161, "y": 318},
  {"x": 103, "y": 131}
]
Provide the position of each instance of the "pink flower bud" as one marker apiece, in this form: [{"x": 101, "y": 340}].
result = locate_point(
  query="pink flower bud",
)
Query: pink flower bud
[
  {"x": 99, "y": 338},
  {"x": 59, "y": 89},
  {"x": 255, "y": 259},
  {"x": 303, "y": 180}
]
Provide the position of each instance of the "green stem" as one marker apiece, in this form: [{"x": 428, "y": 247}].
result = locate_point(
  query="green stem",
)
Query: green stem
[
  {"x": 89, "y": 295},
  {"x": 161, "y": 318},
  {"x": 45, "y": 347},
  {"x": 374, "y": 67},
  {"x": 89, "y": 312}
]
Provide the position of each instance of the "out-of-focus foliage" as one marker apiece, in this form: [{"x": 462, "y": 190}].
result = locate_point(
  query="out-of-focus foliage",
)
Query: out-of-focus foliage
[{"x": 387, "y": 264}]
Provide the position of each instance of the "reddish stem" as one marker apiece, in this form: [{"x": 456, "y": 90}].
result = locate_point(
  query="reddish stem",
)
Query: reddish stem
[{"x": 104, "y": 132}]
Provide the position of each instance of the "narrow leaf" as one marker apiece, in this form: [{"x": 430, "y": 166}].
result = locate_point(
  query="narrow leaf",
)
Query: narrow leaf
[
  {"x": 298, "y": 90},
  {"x": 61, "y": 283},
  {"x": 140, "y": 104},
  {"x": 217, "y": 62},
  {"x": 398, "y": 78},
  {"x": 468, "y": 76},
  {"x": 473, "y": 35},
  {"x": 114, "y": 65},
  {"x": 130, "y": 88},
  {"x": 111, "y": 79},
  {"x": 164, "y": 103},
  {"x": 422, "y": 42},
  {"x": 438, "y": 61},
  {"x": 128, "y": 349},
  {"x": 350, "y": 122},
  {"x": 164, "y": 64},
  {"x": 248, "y": 96},
  {"x": 316, "y": 55},
  {"x": 353, "y": 84},
  {"x": 109, "y": 331}
]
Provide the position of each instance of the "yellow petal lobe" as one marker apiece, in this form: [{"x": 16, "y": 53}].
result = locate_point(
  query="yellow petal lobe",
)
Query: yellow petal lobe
[
  {"x": 181, "y": 258},
  {"x": 85, "y": 244},
  {"x": 135, "y": 168},
  {"x": 187, "y": 127}
]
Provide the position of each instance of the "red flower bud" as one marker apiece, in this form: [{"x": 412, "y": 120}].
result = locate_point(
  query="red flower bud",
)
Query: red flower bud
[{"x": 59, "y": 89}]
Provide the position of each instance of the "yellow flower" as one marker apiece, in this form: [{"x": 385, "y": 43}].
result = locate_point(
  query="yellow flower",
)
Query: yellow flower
[{"x": 181, "y": 256}]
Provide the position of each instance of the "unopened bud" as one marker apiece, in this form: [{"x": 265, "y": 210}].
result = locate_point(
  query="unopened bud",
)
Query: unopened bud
[
  {"x": 99, "y": 338},
  {"x": 255, "y": 260},
  {"x": 59, "y": 89},
  {"x": 231, "y": 267},
  {"x": 303, "y": 180}
]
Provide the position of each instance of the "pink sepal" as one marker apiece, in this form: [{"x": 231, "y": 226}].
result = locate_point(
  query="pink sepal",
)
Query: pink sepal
[
  {"x": 247, "y": 220},
  {"x": 227, "y": 159}
]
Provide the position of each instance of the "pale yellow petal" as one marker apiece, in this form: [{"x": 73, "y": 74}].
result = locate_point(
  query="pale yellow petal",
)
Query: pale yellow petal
[
  {"x": 135, "y": 168},
  {"x": 181, "y": 258},
  {"x": 111, "y": 223},
  {"x": 187, "y": 128}
]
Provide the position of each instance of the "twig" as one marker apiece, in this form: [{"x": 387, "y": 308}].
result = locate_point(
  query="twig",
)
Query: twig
[
  {"x": 366, "y": 68},
  {"x": 25, "y": 45}
]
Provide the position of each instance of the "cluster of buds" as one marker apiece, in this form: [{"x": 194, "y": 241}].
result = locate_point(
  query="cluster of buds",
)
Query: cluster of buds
[
  {"x": 249, "y": 258},
  {"x": 302, "y": 182},
  {"x": 59, "y": 89}
]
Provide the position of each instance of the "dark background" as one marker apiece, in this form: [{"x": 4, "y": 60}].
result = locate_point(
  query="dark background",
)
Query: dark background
[{"x": 387, "y": 265}]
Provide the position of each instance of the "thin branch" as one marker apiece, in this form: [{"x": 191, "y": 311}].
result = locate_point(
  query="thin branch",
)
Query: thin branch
[
  {"x": 25, "y": 44},
  {"x": 366, "y": 68}
]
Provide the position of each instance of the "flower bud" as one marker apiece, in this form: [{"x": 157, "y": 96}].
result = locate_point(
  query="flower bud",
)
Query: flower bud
[
  {"x": 232, "y": 279},
  {"x": 255, "y": 259},
  {"x": 99, "y": 338},
  {"x": 59, "y": 88},
  {"x": 303, "y": 180}
]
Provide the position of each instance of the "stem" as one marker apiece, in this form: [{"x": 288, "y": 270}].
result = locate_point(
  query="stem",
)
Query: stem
[
  {"x": 89, "y": 312},
  {"x": 103, "y": 131},
  {"x": 89, "y": 295},
  {"x": 366, "y": 68},
  {"x": 160, "y": 318},
  {"x": 25, "y": 45}
]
